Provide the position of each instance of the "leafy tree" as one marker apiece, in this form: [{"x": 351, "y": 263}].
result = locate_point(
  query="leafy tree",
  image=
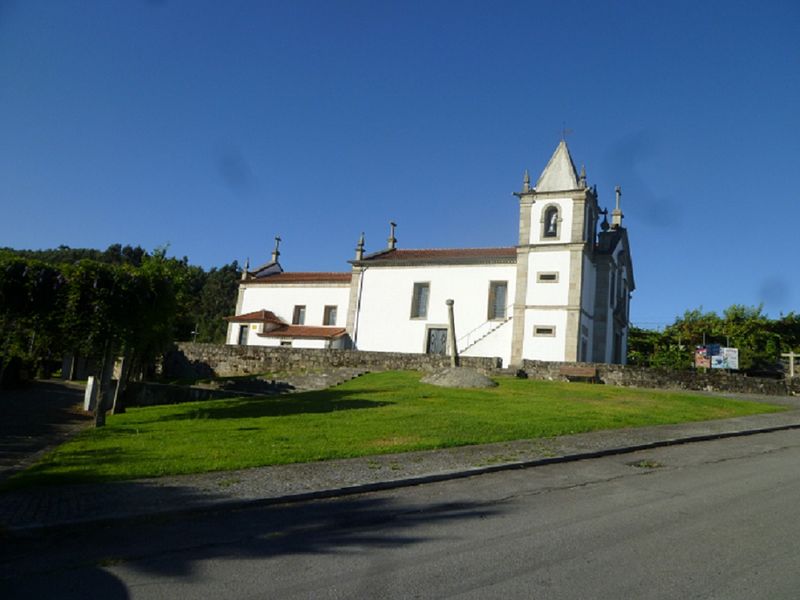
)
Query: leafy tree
[
  {"x": 217, "y": 300},
  {"x": 760, "y": 340}
]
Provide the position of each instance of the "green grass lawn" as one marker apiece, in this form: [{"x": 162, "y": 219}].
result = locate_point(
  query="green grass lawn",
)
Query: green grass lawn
[{"x": 374, "y": 414}]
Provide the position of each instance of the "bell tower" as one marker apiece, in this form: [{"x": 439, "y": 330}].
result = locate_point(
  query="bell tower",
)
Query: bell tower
[{"x": 557, "y": 225}]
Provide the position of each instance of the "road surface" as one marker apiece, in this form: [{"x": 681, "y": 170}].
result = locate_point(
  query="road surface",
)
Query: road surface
[{"x": 715, "y": 519}]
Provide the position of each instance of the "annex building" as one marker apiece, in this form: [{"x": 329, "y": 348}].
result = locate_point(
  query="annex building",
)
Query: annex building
[{"x": 562, "y": 293}]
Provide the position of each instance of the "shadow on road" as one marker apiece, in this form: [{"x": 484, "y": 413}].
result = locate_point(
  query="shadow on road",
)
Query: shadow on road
[{"x": 74, "y": 561}]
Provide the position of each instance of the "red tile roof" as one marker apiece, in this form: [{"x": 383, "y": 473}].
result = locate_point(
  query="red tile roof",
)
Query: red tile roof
[
  {"x": 259, "y": 316},
  {"x": 305, "y": 331},
  {"x": 303, "y": 278},
  {"x": 446, "y": 255}
]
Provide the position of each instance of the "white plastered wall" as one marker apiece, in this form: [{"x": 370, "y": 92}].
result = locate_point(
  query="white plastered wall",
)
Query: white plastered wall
[
  {"x": 587, "y": 305},
  {"x": 565, "y": 225},
  {"x": 254, "y": 340},
  {"x": 384, "y": 321},
  {"x": 545, "y": 347},
  {"x": 548, "y": 294}
]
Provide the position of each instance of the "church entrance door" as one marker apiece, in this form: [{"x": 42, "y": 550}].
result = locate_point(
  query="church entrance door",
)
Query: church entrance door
[{"x": 437, "y": 341}]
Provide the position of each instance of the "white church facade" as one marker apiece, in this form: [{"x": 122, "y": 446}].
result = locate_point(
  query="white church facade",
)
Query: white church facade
[{"x": 562, "y": 293}]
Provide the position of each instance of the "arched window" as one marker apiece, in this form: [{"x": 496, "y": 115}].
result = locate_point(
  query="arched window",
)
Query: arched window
[{"x": 550, "y": 222}]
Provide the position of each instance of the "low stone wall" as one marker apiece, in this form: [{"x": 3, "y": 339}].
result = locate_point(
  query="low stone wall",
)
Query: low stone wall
[
  {"x": 192, "y": 360},
  {"x": 647, "y": 377},
  {"x": 154, "y": 394}
]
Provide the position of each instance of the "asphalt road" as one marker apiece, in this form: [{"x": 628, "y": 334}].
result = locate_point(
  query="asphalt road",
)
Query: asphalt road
[{"x": 705, "y": 520}]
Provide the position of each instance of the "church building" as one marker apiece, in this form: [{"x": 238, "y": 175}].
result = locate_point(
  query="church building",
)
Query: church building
[{"x": 562, "y": 293}]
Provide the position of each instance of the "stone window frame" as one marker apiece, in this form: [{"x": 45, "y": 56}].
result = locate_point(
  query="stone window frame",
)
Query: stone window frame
[
  {"x": 547, "y": 208},
  {"x": 326, "y": 314},
  {"x": 299, "y": 314},
  {"x": 544, "y": 328},
  {"x": 540, "y": 276},
  {"x": 491, "y": 315},
  {"x": 417, "y": 311}
]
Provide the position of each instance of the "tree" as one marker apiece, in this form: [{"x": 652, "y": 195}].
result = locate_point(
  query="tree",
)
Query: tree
[
  {"x": 760, "y": 340},
  {"x": 217, "y": 301}
]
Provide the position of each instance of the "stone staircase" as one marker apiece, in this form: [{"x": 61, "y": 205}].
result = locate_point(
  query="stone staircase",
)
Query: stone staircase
[{"x": 484, "y": 335}]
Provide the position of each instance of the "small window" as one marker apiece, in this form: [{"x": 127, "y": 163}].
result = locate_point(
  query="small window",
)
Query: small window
[
  {"x": 329, "y": 317},
  {"x": 299, "y": 317},
  {"x": 544, "y": 331},
  {"x": 498, "y": 299},
  {"x": 551, "y": 222},
  {"x": 419, "y": 301},
  {"x": 286, "y": 343},
  {"x": 547, "y": 277}
]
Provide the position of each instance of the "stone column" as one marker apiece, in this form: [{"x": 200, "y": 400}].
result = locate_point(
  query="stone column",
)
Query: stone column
[{"x": 451, "y": 334}]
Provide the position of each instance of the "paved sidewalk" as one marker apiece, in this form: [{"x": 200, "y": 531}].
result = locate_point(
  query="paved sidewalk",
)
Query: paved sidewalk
[
  {"x": 60, "y": 506},
  {"x": 37, "y": 418}
]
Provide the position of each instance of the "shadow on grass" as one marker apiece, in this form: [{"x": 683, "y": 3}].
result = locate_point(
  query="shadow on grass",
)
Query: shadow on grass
[
  {"x": 280, "y": 406},
  {"x": 106, "y": 560}
]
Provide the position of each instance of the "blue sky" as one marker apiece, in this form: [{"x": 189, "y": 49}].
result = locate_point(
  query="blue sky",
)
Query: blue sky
[{"x": 214, "y": 126}]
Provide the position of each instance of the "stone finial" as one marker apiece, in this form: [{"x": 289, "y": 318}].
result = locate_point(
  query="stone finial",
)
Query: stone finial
[
  {"x": 360, "y": 247},
  {"x": 526, "y": 181},
  {"x": 616, "y": 215},
  {"x": 392, "y": 240},
  {"x": 582, "y": 178},
  {"x": 604, "y": 225},
  {"x": 276, "y": 253},
  {"x": 246, "y": 267}
]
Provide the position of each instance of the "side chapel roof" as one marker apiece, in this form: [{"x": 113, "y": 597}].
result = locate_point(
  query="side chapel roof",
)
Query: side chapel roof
[
  {"x": 258, "y": 316},
  {"x": 305, "y": 331}
]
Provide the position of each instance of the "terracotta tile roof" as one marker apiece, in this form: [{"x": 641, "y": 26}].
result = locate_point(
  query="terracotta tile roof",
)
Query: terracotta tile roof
[
  {"x": 445, "y": 255},
  {"x": 303, "y": 278},
  {"x": 259, "y": 316},
  {"x": 305, "y": 331}
]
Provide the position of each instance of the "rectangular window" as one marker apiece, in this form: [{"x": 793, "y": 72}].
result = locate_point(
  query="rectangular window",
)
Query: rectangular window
[
  {"x": 419, "y": 301},
  {"x": 329, "y": 317},
  {"x": 286, "y": 343},
  {"x": 547, "y": 277},
  {"x": 243, "y": 329},
  {"x": 498, "y": 299},
  {"x": 544, "y": 330},
  {"x": 299, "y": 317}
]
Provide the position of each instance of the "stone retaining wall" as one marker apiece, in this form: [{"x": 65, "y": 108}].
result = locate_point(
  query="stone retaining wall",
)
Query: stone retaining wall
[
  {"x": 192, "y": 360},
  {"x": 153, "y": 394},
  {"x": 648, "y": 377}
]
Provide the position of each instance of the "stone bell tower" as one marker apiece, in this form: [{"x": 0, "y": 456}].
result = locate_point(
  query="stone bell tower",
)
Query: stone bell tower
[{"x": 557, "y": 225}]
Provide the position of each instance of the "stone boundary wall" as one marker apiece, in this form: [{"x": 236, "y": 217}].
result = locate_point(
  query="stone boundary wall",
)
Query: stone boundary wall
[
  {"x": 192, "y": 360},
  {"x": 648, "y": 377},
  {"x": 138, "y": 393}
]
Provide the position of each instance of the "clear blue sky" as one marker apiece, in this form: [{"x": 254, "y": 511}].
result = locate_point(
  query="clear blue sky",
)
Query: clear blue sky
[{"x": 213, "y": 126}]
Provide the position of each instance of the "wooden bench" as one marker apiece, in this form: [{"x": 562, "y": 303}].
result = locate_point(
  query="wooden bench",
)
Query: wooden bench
[{"x": 579, "y": 373}]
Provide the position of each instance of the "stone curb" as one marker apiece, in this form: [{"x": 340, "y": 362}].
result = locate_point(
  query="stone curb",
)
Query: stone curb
[{"x": 216, "y": 505}]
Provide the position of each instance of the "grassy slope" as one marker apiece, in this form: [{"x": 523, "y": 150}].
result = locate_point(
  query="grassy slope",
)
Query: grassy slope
[{"x": 377, "y": 413}]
